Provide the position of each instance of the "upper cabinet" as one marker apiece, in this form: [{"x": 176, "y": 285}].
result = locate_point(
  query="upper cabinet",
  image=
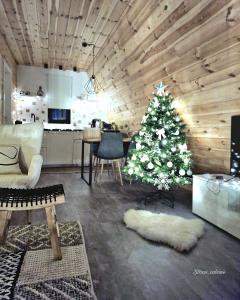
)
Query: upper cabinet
[
  {"x": 30, "y": 78},
  {"x": 60, "y": 90},
  {"x": 61, "y": 87}
]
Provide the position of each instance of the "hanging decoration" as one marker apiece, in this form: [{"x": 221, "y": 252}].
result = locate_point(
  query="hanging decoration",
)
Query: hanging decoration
[{"x": 92, "y": 86}]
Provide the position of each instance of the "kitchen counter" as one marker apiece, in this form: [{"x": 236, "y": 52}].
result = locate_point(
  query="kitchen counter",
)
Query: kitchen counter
[
  {"x": 57, "y": 129},
  {"x": 63, "y": 147}
]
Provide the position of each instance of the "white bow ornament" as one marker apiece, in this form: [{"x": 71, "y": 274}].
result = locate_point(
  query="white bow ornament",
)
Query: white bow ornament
[{"x": 161, "y": 133}]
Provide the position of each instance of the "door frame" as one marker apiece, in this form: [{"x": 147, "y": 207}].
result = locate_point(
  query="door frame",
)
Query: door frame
[{"x": 5, "y": 69}]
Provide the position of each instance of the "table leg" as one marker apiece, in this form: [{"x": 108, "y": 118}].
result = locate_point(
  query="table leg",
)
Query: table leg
[
  {"x": 82, "y": 160},
  {"x": 53, "y": 232},
  {"x": 89, "y": 182},
  {"x": 119, "y": 171},
  {"x": 5, "y": 217},
  {"x": 90, "y": 164},
  {"x": 29, "y": 217}
]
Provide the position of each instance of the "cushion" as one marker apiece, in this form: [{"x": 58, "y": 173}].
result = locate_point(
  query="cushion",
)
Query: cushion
[
  {"x": 9, "y": 159},
  {"x": 27, "y": 136}
]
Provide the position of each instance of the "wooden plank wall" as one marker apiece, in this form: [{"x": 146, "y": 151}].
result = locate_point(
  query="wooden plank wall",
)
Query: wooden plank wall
[
  {"x": 193, "y": 47},
  {"x": 6, "y": 55}
]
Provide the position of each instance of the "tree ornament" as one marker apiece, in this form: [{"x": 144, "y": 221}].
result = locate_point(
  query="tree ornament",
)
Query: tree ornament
[
  {"x": 144, "y": 119},
  {"x": 150, "y": 166},
  {"x": 161, "y": 133},
  {"x": 160, "y": 89},
  {"x": 173, "y": 149},
  {"x": 163, "y": 182},
  {"x": 181, "y": 172},
  {"x": 152, "y": 112},
  {"x": 148, "y": 137},
  {"x": 138, "y": 146},
  {"x": 130, "y": 171},
  {"x": 144, "y": 158},
  {"x": 164, "y": 142},
  {"x": 169, "y": 164},
  {"x": 155, "y": 103},
  {"x": 189, "y": 172},
  {"x": 176, "y": 132},
  {"x": 182, "y": 147}
]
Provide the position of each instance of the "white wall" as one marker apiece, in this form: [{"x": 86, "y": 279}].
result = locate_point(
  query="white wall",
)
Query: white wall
[{"x": 67, "y": 95}]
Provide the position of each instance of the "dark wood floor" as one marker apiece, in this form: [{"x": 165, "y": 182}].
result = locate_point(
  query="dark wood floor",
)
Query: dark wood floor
[{"x": 125, "y": 266}]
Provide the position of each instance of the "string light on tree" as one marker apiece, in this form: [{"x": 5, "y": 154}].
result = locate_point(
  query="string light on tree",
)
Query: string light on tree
[{"x": 161, "y": 156}]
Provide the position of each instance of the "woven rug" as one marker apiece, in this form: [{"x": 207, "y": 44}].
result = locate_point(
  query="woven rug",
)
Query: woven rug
[{"x": 28, "y": 270}]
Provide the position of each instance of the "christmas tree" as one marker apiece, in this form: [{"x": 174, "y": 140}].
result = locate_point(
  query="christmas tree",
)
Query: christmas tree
[{"x": 161, "y": 157}]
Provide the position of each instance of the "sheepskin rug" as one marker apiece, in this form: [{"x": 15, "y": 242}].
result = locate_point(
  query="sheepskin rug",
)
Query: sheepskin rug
[{"x": 179, "y": 233}]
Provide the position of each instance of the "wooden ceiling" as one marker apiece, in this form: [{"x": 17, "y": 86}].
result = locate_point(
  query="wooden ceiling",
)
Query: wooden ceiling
[{"x": 51, "y": 32}]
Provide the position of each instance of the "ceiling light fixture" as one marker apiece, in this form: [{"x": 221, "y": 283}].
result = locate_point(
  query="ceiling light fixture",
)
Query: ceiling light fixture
[{"x": 92, "y": 86}]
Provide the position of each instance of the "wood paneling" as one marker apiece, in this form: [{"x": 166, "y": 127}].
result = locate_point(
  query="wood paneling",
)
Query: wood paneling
[
  {"x": 6, "y": 54},
  {"x": 194, "y": 48},
  {"x": 52, "y": 31}
]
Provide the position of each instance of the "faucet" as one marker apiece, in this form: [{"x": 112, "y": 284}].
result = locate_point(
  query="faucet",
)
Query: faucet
[{"x": 34, "y": 117}]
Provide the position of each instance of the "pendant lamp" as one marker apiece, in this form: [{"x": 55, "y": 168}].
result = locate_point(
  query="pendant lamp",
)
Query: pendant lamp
[{"x": 92, "y": 86}]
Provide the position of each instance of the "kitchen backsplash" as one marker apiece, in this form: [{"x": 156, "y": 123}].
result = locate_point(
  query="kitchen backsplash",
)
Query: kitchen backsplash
[{"x": 82, "y": 111}]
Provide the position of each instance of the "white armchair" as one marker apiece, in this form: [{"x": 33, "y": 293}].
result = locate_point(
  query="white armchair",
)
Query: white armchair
[{"x": 29, "y": 138}]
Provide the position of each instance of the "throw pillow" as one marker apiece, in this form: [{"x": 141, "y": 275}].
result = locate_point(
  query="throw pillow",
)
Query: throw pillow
[{"x": 9, "y": 163}]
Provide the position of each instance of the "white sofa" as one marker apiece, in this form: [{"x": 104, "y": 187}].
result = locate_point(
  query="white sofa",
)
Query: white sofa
[{"x": 29, "y": 138}]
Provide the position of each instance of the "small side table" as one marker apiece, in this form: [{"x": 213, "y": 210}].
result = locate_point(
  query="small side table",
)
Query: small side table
[
  {"x": 218, "y": 201},
  {"x": 29, "y": 199}
]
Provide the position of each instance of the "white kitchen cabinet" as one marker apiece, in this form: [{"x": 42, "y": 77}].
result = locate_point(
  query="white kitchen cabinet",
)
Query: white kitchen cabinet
[
  {"x": 59, "y": 90},
  {"x": 44, "y": 140},
  {"x": 59, "y": 148},
  {"x": 77, "y": 152},
  {"x": 43, "y": 152},
  {"x": 29, "y": 78},
  {"x": 63, "y": 148}
]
